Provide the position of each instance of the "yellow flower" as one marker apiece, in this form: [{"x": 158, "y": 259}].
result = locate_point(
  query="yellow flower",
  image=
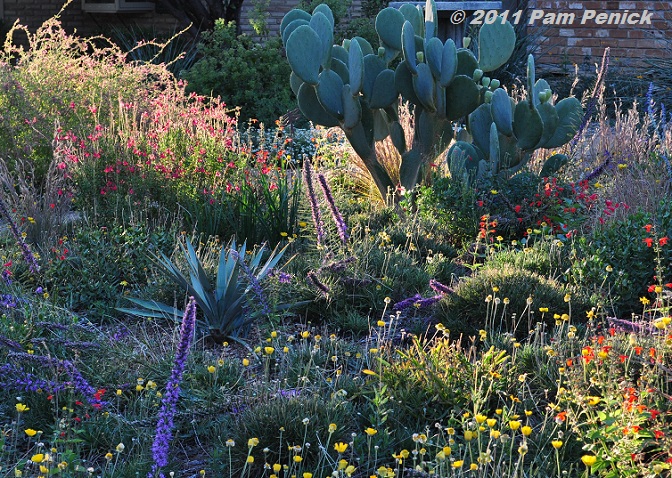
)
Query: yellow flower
[
  {"x": 491, "y": 422},
  {"x": 229, "y": 443},
  {"x": 269, "y": 350},
  {"x": 381, "y": 323},
  {"x": 446, "y": 450},
  {"x": 458, "y": 464},
  {"x": 468, "y": 435},
  {"x": 480, "y": 418},
  {"x": 284, "y": 234},
  {"x": 109, "y": 456},
  {"x": 305, "y": 334},
  {"x": 303, "y": 223},
  {"x": 369, "y": 372},
  {"x": 252, "y": 442},
  {"x": 370, "y": 431},
  {"x": 20, "y": 407},
  {"x": 349, "y": 470},
  {"x": 543, "y": 309},
  {"x": 298, "y": 459},
  {"x": 37, "y": 458},
  {"x": 495, "y": 434},
  {"x": 332, "y": 427},
  {"x": 593, "y": 400},
  {"x": 120, "y": 447},
  {"x": 514, "y": 425},
  {"x": 250, "y": 459},
  {"x": 246, "y": 362},
  {"x": 44, "y": 470},
  {"x": 277, "y": 467},
  {"x": 307, "y": 475},
  {"x": 644, "y": 300},
  {"x": 526, "y": 430},
  {"x": 30, "y": 432},
  {"x": 556, "y": 444},
  {"x": 340, "y": 447},
  {"x": 473, "y": 467},
  {"x": 450, "y": 431},
  {"x": 212, "y": 369},
  {"x": 589, "y": 460}
]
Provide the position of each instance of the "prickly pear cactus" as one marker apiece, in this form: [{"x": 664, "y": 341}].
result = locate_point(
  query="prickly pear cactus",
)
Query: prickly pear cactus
[
  {"x": 506, "y": 133},
  {"x": 354, "y": 87}
]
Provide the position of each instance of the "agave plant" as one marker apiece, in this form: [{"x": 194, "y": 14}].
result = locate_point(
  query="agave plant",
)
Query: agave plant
[{"x": 225, "y": 304}]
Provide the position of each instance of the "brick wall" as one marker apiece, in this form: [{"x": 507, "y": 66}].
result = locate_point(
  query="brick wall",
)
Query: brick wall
[{"x": 584, "y": 44}]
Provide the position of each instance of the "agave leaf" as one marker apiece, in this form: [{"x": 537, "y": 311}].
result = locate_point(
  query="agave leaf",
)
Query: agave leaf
[
  {"x": 272, "y": 261},
  {"x": 196, "y": 267},
  {"x": 224, "y": 272}
]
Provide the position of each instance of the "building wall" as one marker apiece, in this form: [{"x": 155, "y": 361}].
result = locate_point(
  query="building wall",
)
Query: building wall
[{"x": 584, "y": 44}]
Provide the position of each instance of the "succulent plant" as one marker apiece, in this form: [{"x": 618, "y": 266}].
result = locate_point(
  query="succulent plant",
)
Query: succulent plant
[
  {"x": 506, "y": 133},
  {"x": 354, "y": 87}
]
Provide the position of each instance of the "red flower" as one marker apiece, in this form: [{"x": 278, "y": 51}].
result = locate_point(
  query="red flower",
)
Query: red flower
[
  {"x": 648, "y": 227},
  {"x": 663, "y": 240},
  {"x": 648, "y": 241}
]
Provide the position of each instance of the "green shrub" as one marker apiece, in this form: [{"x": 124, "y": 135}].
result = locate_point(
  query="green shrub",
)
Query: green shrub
[
  {"x": 616, "y": 262},
  {"x": 93, "y": 269},
  {"x": 288, "y": 419},
  {"x": 250, "y": 75},
  {"x": 489, "y": 298}
]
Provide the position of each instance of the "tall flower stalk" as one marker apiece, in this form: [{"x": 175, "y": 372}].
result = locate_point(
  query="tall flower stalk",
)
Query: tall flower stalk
[
  {"x": 165, "y": 424},
  {"x": 312, "y": 199},
  {"x": 25, "y": 249},
  {"x": 335, "y": 213},
  {"x": 253, "y": 281}
]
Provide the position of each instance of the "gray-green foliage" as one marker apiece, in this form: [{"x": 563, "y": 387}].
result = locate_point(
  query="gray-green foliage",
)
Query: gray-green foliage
[
  {"x": 354, "y": 86},
  {"x": 506, "y": 133},
  {"x": 224, "y": 304}
]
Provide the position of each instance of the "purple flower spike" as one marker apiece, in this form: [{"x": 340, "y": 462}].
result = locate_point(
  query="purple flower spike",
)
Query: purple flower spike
[
  {"x": 165, "y": 424},
  {"x": 254, "y": 283},
  {"x": 335, "y": 213},
  {"x": 312, "y": 199},
  {"x": 439, "y": 287}
]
